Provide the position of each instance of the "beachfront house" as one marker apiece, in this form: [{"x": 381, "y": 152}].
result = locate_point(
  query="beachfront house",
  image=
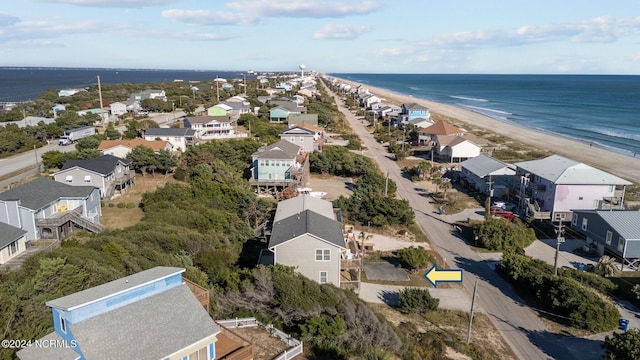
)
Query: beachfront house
[
  {"x": 553, "y": 187},
  {"x": 615, "y": 233},
  {"x": 151, "y": 314},
  {"x": 278, "y": 165},
  {"x": 454, "y": 148},
  {"x": 213, "y": 127},
  {"x": 48, "y": 209},
  {"x": 12, "y": 242},
  {"x": 111, "y": 174},
  {"x": 302, "y": 137},
  {"x": 306, "y": 236},
  {"x": 410, "y": 111},
  {"x": 122, "y": 148},
  {"x": 179, "y": 138},
  {"x": 428, "y": 135},
  {"x": 487, "y": 175}
]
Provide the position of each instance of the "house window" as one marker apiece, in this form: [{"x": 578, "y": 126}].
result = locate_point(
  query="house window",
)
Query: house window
[
  {"x": 608, "y": 239},
  {"x": 69, "y": 178},
  {"x": 580, "y": 198},
  {"x": 611, "y": 188},
  {"x": 261, "y": 162},
  {"x": 266, "y": 163},
  {"x": 199, "y": 355},
  {"x": 323, "y": 254},
  {"x": 87, "y": 179},
  {"x": 621, "y": 244},
  {"x": 324, "y": 277},
  {"x": 176, "y": 139},
  {"x": 63, "y": 325},
  {"x": 574, "y": 220},
  {"x": 292, "y": 139},
  {"x": 301, "y": 138},
  {"x": 584, "y": 223},
  {"x": 14, "y": 247}
]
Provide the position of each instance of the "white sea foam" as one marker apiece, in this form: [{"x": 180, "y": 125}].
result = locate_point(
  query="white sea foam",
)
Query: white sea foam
[
  {"x": 468, "y": 98},
  {"x": 414, "y": 88},
  {"x": 486, "y": 109},
  {"x": 613, "y": 133}
]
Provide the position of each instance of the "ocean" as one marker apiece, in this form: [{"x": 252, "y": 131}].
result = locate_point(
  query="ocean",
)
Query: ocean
[{"x": 603, "y": 110}]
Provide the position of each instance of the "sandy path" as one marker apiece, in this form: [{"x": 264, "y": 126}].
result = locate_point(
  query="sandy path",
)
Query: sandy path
[{"x": 621, "y": 165}]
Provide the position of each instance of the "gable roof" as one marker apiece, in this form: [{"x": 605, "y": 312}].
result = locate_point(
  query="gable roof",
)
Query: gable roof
[
  {"x": 441, "y": 128},
  {"x": 414, "y": 106},
  {"x": 310, "y": 127},
  {"x": 126, "y": 283},
  {"x": 41, "y": 192},
  {"x": 282, "y": 149},
  {"x": 186, "y": 132},
  {"x": 207, "y": 119},
  {"x": 624, "y": 222},
  {"x": 297, "y": 130},
  {"x": 151, "y": 328},
  {"x": 306, "y": 222},
  {"x": 561, "y": 170},
  {"x": 301, "y": 203},
  {"x": 156, "y": 145},
  {"x": 103, "y": 165},
  {"x": 9, "y": 234},
  {"x": 483, "y": 165}
]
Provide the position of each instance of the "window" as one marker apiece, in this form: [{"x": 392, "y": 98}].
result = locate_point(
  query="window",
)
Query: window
[
  {"x": 301, "y": 138},
  {"x": 323, "y": 254},
  {"x": 87, "y": 179},
  {"x": 261, "y": 163},
  {"x": 584, "y": 223},
  {"x": 620, "y": 244},
  {"x": 199, "y": 355},
  {"x": 580, "y": 198},
  {"x": 608, "y": 239},
  {"x": 324, "y": 276},
  {"x": 611, "y": 188},
  {"x": 176, "y": 139},
  {"x": 63, "y": 325},
  {"x": 14, "y": 247},
  {"x": 574, "y": 221},
  {"x": 266, "y": 163},
  {"x": 69, "y": 178},
  {"x": 292, "y": 139}
]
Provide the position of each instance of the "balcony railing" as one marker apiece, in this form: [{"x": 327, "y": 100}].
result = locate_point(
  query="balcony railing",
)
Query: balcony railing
[{"x": 201, "y": 293}]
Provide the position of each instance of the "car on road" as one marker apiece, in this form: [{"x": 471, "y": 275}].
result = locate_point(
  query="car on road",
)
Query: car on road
[{"x": 498, "y": 211}]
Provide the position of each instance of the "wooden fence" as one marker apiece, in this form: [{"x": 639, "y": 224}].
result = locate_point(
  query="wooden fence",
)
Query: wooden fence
[{"x": 296, "y": 347}]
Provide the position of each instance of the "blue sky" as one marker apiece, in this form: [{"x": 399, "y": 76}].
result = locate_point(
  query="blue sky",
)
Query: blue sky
[{"x": 377, "y": 36}]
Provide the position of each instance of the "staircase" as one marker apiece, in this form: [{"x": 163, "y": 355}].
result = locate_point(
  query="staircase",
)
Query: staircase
[
  {"x": 74, "y": 216},
  {"x": 86, "y": 224}
]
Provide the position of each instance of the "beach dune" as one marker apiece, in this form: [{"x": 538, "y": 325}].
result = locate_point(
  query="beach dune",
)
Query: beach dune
[{"x": 621, "y": 165}]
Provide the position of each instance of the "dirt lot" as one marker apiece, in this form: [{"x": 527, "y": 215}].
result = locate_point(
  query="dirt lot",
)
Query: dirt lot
[
  {"x": 114, "y": 217},
  {"x": 334, "y": 186}
]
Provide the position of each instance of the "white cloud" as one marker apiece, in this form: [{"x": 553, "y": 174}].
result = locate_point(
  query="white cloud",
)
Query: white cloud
[
  {"x": 340, "y": 32},
  {"x": 256, "y": 11},
  {"x": 110, "y": 3},
  {"x": 596, "y": 30},
  {"x": 391, "y": 52}
]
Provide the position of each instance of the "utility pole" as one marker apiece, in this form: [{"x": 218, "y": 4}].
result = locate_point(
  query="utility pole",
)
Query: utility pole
[
  {"x": 559, "y": 240},
  {"x": 100, "y": 96},
  {"x": 404, "y": 133},
  {"x": 473, "y": 301},
  {"x": 490, "y": 190},
  {"x": 386, "y": 184}
]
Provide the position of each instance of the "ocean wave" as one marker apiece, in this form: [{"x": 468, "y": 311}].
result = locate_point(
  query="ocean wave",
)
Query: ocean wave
[
  {"x": 612, "y": 133},
  {"x": 468, "y": 98},
  {"x": 478, "y": 108},
  {"x": 414, "y": 88}
]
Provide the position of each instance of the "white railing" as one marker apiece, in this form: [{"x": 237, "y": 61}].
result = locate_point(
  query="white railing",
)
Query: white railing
[{"x": 296, "y": 347}]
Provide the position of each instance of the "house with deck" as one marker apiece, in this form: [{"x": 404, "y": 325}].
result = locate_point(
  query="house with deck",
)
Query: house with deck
[
  {"x": 553, "y": 187},
  {"x": 150, "y": 315},
  {"x": 306, "y": 236},
  {"x": 179, "y": 138},
  {"x": 454, "y": 148},
  {"x": 307, "y": 139},
  {"x": 213, "y": 127},
  {"x": 13, "y": 242},
  {"x": 111, "y": 174},
  {"x": 279, "y": 165},
  {"x": 410, "y": 111},
  {"x": 428, "y": 135},
  {"x": 122, "y": 148},
  {"x": 612, "y": 232},
  {"x": 487, "y": 175},
  {"x": 48, "y": 209}
]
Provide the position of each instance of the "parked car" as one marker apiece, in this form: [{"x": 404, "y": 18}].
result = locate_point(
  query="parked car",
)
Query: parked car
[{"x": 498, "y": 211}]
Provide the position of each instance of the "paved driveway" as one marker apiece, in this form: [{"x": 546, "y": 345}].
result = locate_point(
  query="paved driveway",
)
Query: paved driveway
[
  {"x": 450, "y": 298},
  {"x": 384, "y": 271}
]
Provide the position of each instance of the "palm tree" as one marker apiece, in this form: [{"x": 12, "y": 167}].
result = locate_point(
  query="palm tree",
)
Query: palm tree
[
  {"x": 607, "y": 266},
  {"x": 364, "y": 237},
  {"x": 423, "y": 169}
]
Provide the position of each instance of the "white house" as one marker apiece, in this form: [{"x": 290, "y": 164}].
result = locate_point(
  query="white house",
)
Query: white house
[
  {"x": 179, "y": 138},
  {"x": 118, "y": 108}
]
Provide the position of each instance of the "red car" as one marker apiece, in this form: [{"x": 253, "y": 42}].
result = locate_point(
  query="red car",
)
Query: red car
[{"x": 497, "y": 211}]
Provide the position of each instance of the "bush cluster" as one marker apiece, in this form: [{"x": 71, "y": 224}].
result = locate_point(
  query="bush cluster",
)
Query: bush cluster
[
  {"x": 501, "y": 235},
  {"x": 416, "y": 300}
]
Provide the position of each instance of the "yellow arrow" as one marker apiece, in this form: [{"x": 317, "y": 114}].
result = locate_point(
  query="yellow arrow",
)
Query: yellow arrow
[{"x": 444, "y": 275}]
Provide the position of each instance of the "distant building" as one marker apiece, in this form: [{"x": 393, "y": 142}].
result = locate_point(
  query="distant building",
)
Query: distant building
[
  {"x": 122, "y": 148},
  {"x": 179, "y": 138},
  {"x": 68, "y": 92}
]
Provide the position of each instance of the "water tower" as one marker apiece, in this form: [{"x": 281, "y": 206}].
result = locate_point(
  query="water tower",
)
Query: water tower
[{"x": 302, "y": 67}]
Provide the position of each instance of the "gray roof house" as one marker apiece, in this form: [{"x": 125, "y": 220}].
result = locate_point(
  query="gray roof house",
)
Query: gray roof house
[
  {"x": 148, "y": 315},
  {"x": 306, "y": 236},
  {"x": 486, "y": 174},
  {"x": 179, "y": 138},
  {"x": 615, "y": 232},
  {"x": 12, "y": 242},
  {"x": 108, "y": 173},
  {"x": 48, "y": 209},
  {"x": 279, "y": 164},
  {"x": 551, "y": 188},
  {"x": 307, "y": 139}
]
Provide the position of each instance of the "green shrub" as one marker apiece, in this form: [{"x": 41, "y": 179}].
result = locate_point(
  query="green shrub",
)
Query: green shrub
[
  {"x": 121, "y": 205},
  {"x": 131, "y": 205},
  {"x": 414, "y": 258},
  {"x": 501, "y": 235},
  {"x": 414, "y": 300},
  {"x": 111, "y": 205}
]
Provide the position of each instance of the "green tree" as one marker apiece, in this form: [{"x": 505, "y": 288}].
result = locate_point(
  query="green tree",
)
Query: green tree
[
  {"x": 622, "y": 346},
  {"x": 112, "y": 133},
  {"x": 414, "y": 258},
  {"x": 132, "y": 130},
  {"x": 142, "y": 158},
  {"x": 415, "y": 300},
  {"x": 165, "y": 161},
  {"x": 89, "y": 142}
]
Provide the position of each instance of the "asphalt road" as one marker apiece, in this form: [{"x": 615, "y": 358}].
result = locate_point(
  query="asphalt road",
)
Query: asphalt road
[{"x": 521, "y": 328}]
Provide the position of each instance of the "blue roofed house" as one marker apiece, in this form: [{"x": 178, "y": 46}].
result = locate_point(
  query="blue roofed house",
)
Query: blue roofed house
[
  {"x": 610, "y": 232},
  {"x": 12, "y": 242},
  {"x": 148, "y": 315},
  {"x": 412, "y": 111},
  {"x": 280, "y": 164},
  {"x": 108, "y": 173},
  {"x": 553, "y": 187},
  {"x": 486, "y": 174},
  {"x": 306, "y": 236},
  {"x": 48, "y": 209}
]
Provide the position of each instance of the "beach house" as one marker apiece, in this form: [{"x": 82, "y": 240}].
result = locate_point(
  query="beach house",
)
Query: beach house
[
  {"x": 306, "y": 139},
  {"x": 487, "y": 175},
  {"x": 428, "y": 135},
  {"x": 179, "y": 138},
  {"x": 48, "y": 209},
  {"x": 213, "y": 127},
  {"x": 278, "y": 165},
  {"x": 148, "y": 315},
  {"x": 553, "y": 187},
  {"x": 411, "y": 111},
  {"x": 111, "y": 174},
  {"x": 12, "y": 242},
  {"x": 122, "y": 148}
]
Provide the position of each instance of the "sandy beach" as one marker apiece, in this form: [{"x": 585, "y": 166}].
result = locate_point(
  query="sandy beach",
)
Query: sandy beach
[{"x": 624, "y": 166}]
